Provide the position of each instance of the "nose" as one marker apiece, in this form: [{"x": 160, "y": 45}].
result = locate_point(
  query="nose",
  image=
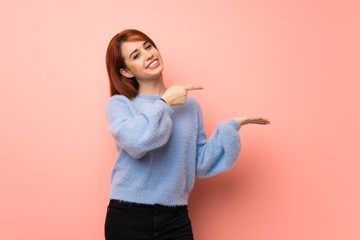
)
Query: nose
[{"x": 148, "y": 55}]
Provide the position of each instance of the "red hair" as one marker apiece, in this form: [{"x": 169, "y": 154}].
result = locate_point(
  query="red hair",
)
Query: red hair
[{"x": 120, "y": 84}]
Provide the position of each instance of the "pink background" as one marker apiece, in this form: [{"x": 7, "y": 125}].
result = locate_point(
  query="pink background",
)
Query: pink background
[{"x": 294, "y": 62}]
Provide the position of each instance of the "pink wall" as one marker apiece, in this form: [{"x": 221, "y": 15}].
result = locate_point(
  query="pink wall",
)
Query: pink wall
[{"x": 295, "y": 62}]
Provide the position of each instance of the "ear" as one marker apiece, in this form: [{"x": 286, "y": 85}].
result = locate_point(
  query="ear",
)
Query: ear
[{"x": 126, "y": 73}]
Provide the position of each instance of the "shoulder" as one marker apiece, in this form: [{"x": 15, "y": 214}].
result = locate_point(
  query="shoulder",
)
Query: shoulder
[
  {"x": 192, "y": 102},
  {"x": 191, "y": 106},
  {"x": 117, "y": 102},
  {"x": 117, "y": 99}
]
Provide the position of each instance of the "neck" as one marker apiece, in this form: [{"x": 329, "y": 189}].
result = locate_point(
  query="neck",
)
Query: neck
[{"x": 152, "y": 87}]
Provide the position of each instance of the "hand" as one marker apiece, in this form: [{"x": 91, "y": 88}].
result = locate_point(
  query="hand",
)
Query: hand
[
  {"x": 176, "y": 94},
  {"x": 251, "y": 120}
]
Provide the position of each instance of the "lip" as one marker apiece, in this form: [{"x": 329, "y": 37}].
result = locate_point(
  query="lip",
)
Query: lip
[{"x": 155, "y": 65}]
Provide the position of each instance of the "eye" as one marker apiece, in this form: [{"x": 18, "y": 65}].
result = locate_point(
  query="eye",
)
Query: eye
[
  {"x": 136, "y": 56},
  {"x": 148, "y": 46}
]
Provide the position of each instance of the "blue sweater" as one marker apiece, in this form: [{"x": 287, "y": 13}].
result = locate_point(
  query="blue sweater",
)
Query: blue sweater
[{"x": 162, "y": 149}]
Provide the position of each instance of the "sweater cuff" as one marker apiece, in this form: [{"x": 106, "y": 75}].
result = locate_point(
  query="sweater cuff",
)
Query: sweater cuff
[
  {"x": 234, "y": 124},
  {"x": 166, "y": 106}
]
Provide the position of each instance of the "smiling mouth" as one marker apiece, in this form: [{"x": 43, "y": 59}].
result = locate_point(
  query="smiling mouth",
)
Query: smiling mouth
[{"x": 153, "y": 64}]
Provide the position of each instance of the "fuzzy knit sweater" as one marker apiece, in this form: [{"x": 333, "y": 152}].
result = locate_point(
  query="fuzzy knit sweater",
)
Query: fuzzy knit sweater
[{"x": 162, "y": 149}]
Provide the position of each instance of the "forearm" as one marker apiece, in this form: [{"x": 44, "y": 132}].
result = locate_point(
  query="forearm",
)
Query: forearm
[
  {"x": 220, "y": 152},
  {"x": 138, "y": 132}
]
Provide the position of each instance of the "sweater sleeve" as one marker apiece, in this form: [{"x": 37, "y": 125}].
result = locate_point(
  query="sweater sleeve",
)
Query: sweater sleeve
[
  {"x": 220, "y": 151},
  {"x": 138, "y": 130}
]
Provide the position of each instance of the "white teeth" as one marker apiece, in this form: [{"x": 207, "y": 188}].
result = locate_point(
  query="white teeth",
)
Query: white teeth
[{"x": 153, "y": 63}]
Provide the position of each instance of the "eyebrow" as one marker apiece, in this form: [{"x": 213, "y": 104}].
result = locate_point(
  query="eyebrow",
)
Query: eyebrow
[{"x": 136, "y": 50}]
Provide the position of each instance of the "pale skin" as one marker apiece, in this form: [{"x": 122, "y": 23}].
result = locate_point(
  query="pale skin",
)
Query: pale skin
[{"x": 144, "y": 62}]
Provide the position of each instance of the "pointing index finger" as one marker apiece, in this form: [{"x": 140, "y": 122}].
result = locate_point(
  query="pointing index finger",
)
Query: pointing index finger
[{"x": 193, "y": 87}]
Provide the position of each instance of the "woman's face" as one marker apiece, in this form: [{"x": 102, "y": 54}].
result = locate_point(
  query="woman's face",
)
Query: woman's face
[{"x": 142, "y": 59}]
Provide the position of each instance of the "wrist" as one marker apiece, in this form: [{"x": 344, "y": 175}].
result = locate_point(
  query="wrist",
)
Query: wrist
[
  {"x": 162, "y": 99},
  {"x": 235, "y": 124}
]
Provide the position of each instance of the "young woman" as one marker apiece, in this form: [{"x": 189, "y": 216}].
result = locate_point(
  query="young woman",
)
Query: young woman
[{"x": 162, "y": 144}]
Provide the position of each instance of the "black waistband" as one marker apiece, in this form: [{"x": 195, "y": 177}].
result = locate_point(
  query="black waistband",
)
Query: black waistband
[{"x": 143, "y": 205}]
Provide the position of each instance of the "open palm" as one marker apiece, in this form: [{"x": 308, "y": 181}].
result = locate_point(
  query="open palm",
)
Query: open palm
[{"x": 251, "y": 120}]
